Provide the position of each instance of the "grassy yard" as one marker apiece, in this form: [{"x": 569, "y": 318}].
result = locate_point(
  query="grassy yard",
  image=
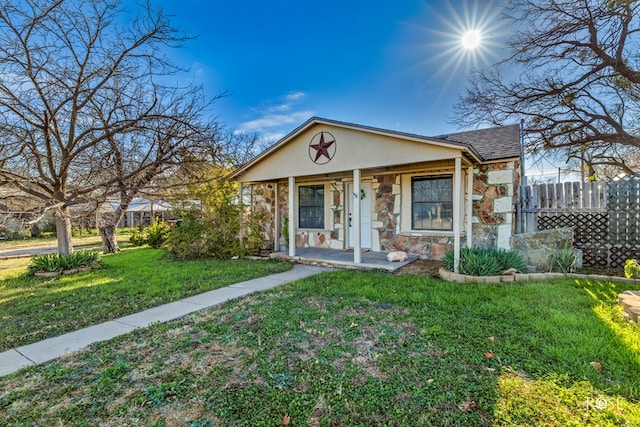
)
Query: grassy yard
[
  {"x": 357, "y": 348},
  {"x": 135, "y": 279},
  {"x": 8, "y": 245}
]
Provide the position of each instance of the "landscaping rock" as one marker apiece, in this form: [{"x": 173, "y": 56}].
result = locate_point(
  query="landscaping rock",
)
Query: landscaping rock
[
  {"x": 536, "y": 247},
  {"x": 397, "y": 256}
]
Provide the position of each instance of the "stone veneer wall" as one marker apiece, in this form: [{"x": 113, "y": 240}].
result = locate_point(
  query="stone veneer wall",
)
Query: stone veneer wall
[
  {"x": 333, "y": 238},
  {"x": 263, "y": 200},
  {"x": 494, "y": 186},
  {"x": 493, "y": 213},
  {"x": 386, "y": 221},
  {"x": 263, "y": 197}
]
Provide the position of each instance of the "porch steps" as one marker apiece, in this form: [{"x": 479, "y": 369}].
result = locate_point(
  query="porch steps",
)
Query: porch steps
[{"x": 630, "y": 303}]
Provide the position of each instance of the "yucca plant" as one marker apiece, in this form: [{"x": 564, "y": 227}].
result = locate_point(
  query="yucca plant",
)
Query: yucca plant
[
  {"x": 485, "y": 261},
  {"x": 563, "y": 261}
]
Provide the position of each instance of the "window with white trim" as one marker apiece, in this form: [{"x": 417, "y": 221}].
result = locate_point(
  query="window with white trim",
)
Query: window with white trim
[
  {"x": 311, "y": 206},
  {"x": 432, "y": 202}
]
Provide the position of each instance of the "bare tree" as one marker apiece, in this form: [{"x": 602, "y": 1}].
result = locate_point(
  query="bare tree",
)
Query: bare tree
[
  {"x": 574, "y": 77},
  {"x": 88, "y": 110}
]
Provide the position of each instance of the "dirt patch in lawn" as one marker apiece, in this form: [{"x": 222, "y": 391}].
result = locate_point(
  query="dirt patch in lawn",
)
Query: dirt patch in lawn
[{"x": 421, "y": 267}]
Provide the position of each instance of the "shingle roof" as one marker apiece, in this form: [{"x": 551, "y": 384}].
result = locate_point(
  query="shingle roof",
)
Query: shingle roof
[{"x": 491, "y": 144}]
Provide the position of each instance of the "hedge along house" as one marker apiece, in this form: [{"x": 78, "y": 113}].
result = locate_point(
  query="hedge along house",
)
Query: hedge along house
[{"x": 344, "y": 186}]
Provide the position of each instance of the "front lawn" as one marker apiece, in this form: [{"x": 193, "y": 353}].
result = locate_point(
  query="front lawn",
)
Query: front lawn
[
  {"x": 357, "y": 348},
  {"x": 133, "y": 280}
]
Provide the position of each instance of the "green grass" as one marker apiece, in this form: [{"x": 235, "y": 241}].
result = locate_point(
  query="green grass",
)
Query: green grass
[
  {"x": 357, "y": 348},
  {"x": 34, "y": 308},
  {"x": 40, "y": 242}
]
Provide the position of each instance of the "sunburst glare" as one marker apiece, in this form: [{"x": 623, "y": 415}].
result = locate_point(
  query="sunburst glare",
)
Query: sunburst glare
[
  {"x": 462, "y": 36},
  {"x": 471, "y": 39}
]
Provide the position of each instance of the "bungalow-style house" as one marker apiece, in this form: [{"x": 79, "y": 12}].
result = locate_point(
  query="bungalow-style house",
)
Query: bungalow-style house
[{"x": 345, "y": 186}]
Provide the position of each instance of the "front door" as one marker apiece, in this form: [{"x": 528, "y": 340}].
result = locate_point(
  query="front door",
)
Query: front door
[{"x": 365, "y": 214}]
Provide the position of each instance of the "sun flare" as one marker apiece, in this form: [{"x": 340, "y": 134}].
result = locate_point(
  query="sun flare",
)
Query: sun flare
[
  {"x": 463, "y": 35},
  {"x": 471, "y": 39}
]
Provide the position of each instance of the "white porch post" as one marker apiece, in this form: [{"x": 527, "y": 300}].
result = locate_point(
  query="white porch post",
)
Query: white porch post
[
  {"x": 276, "y": 219},
  {"x": 469, "y": 230},
  {"x": 356, "y": 217},
  {"x": 457, "y": 184},
  {"x": 293, "y": 219},
  {"x": 241, "y": 203}
]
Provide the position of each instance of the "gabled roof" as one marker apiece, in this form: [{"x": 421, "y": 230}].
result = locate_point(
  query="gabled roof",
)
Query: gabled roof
[{"x": 481, "y": 145}]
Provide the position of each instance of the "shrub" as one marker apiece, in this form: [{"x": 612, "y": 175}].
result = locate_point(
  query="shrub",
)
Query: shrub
[
  {"x": 154, "y": 235},
  {"x": 632, "y": 269},
  {"x": 137, "y": 238},
  {"x": 188, "y": 239},
  {"x": 79, "y": 232},
  {"x": 216, "y": 235},
  {"x": 285, "y": 230},
  {"x": 485, "y": 261},
  {"x": 57, "y": 262},
  {"x": 157, "y": 233}
]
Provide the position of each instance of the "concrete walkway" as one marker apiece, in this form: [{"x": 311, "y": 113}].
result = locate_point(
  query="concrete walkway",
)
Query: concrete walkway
[{"x": 52, "y": 348}]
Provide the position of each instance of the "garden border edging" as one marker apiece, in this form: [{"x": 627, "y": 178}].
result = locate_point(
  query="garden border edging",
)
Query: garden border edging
[{"x": 450, "y": 276}]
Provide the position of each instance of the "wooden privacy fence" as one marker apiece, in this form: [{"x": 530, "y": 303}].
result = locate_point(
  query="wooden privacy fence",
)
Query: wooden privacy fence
[{"x": 605, "y": 216}]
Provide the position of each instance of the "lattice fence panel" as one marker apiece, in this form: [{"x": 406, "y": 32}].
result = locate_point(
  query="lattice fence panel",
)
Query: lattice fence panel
[
  {"x": 589, "y": 232},
  {"x": 624, "y": 212},
  {"x": 618, "y": 255},
  {"x": 587, "y": 228},
  {"x": 595, "y": 256},
  {"x": 623, "y": 206},
  {"x": 605, "y": 217}
]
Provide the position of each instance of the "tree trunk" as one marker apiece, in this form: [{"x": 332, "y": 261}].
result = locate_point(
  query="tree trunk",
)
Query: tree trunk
[
  {"x": 109, "y": 240},
  {"x": 63, "y": 230},
  {"x": 107, "y": 222}
]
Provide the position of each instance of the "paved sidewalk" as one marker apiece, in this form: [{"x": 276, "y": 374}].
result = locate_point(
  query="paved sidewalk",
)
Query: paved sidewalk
[{"x": 52, "y": 348}]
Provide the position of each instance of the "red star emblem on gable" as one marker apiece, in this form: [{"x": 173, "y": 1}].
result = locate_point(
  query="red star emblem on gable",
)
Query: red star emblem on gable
[{"x": 322, "y": 148}]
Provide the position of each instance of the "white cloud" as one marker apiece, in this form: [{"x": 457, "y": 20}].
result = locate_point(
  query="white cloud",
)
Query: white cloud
[
  {"x": 295, "y": 96},
  {"x": 269, "y": 121},
  {"x": 273, "y": 122}
]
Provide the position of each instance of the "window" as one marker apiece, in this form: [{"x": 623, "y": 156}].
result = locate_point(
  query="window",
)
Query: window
[
  {"x": 311, "y": 206},
  {"x": 432, "y": 203}
]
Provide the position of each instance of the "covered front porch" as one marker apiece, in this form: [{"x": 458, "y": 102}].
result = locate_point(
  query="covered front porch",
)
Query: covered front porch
[{"x": 343, "y": 258}]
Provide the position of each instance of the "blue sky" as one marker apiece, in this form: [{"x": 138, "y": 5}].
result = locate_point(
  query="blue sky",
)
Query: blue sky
[{"x": 395, "y": 64}]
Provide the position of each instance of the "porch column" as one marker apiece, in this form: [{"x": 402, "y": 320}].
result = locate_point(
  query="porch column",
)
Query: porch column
[
  {"x": 293, "y": 219},
  {"x": 457, "y": 187},
  {"x": 469, "y": 230},
  {"x": 356, "y": 217},
  {"x": 276, "y": 219},
  {"x": 241, "y": 203}
]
